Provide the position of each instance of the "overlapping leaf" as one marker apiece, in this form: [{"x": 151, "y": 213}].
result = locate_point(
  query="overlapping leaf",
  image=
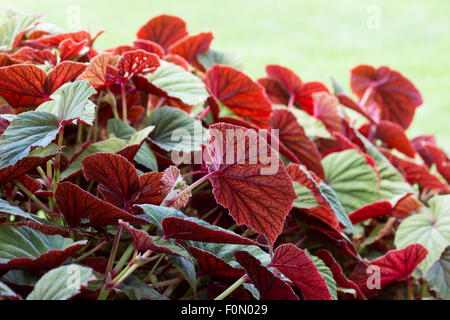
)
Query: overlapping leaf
[
  {"x": 295, "y": 264},
  {"x": 254, "y": 185}
]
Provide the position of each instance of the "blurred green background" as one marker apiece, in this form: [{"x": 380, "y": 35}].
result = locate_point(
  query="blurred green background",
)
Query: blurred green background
[{"x": 314, "y": 38}]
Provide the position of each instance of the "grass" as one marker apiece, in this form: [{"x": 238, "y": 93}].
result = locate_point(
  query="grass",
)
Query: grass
[{"x": 314, "y": 38}]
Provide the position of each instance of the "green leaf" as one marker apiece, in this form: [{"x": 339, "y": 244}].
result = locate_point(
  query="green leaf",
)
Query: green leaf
[
  {"x": 136, "y": 289},
  {"x": 7, "y": 208},
  {"x": 28, "y": 130},
  {"x": 24, "y": 242},
  {"x": 213, "y": 56},
  {"x": 226, "y": 251},
  {"x": 175, "y": 130},
  {"x": 71, "y": 102},
  {"x": 124, "y": 131},
  {"x": 186, "y": 267},
  {"x": 179, "y": 83},
  {"x": 21, "y": 278},
  {"x": 6, "y": 292},
  {"x": 111, "y": 145},
  {"x": 430, "y": 228},
  {"x": 155, "y": 214},
  {"x": 438, "y": 275},
  {"x": 62, "y": 283},
  {"x": 326, "y": 274},
  {"x": 336, "y": 205},
  {"x": 305, "y": 198},
  {"x": 392, "y": 182},
  {"x": 314, "y": 128},
  {"x": 352, "y": 178},
  {"x": 14, "y": 25}
]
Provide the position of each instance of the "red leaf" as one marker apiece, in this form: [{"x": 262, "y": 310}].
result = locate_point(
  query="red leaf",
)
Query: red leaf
[
  {"x": 31, "y": 184},
  {"x": 118, "y": 180},
  {"x": 21, "y": 167},
  {"x": 274, "y": 90},
  {"x": 293, "y": 137},
  {"x": 326, "y": 110},
  {"x": 96, "y": 72},
  {"x": 151, "y": 191},
  {"x": 136, "y": 62},
  {"x": 349, "y": 103},
  {"x": 143, "y": 240},
  {"x": 256, "y": 194},
  {"x": 62, "y": 73},
  {"x": 431, "y": 153},
  {"x": 270, "y": 287},
  {"x": 338, "y": 274},
  {"x": 176, "y": 59},
  {"x": 173, "y": 183},
  {"x": 373, "y": 210},
  {"x": 191, "y": 46},
  {"x": 401, "y": 209},
  {"x": 26, "y": 85},
  {"x": 394, "y": 136},
  {"x": 35, "y": 56},
  {"x": 179, "y": 228},
  {"x": 149, "y": 46},
  {"x": 395, "y": 95},
  {"x": 416, "y": 173},
  {"x": 395, "y": 265},
  {"x": 301, "y": 92},
  {"x": 214, "y": 266},
  {"x": 69, "y": 48},
  {"x": 238, "y": 92},
  {"x": 405, "y": 205},
  {"x": 164, "y": 30},
  {"x": 81, "y": 208},
  {"x": 295, "y": 264},
  {"x": 23, "y": 85},
  {"x": 55, "y": 40},
  {"x": 324, "y": 212}
]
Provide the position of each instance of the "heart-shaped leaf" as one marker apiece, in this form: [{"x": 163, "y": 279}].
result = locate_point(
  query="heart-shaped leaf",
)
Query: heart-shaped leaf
[
  {"x": 118, "y": 180},
  {"x": 190, "y": 47},
  {"x": 238, "y": 92},
  {"x": 80, "y": 208},
  {"x": 255, "y": 186},
  {"x": 28, "y": 130},
  {"x": 430, "y": 228},
  {"x": 70, "y": 103},
  {"x": 295, "y": 264},
  {"x": 395, "y": 265},
  {"x": 176, "y": 82},
  {"x": 395, "y": 96},
  {"x": 164, "y": 30},
  {"x": 352, "y": 178},
  {"x": 26, "y": 85}
]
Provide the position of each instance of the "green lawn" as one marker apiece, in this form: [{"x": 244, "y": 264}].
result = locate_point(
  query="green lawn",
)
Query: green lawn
[{"x": 315, "y": 38}]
